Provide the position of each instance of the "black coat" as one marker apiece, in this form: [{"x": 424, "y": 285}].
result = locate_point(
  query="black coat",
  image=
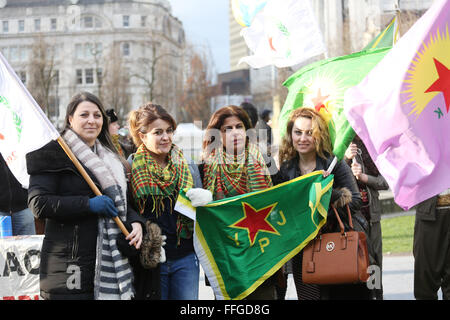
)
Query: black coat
[
  {"x": 59, "y": 194},
  {"x": 13, "y": 197}
]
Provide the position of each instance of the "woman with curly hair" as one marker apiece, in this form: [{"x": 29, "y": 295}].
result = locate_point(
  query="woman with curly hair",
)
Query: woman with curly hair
[{"x": 306, "y": 147}]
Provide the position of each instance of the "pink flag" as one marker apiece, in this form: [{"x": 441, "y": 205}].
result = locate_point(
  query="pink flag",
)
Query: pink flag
[{"x": 401, "y": 110}]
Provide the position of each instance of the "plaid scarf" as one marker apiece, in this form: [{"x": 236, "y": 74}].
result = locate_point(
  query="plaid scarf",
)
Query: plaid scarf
[
  {"x": 227, "y": 176},
  {"x": 148, "y": 179},
  {"x": 113, "y": 275}
]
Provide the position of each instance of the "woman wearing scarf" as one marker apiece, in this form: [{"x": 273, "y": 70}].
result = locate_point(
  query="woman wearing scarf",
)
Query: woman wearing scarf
[
  {"x": 80, "y": 258},
  {"x": 306, "y": 147},
  {"x": 232, "y": 166},
  {"x": 159, "y": 172}
]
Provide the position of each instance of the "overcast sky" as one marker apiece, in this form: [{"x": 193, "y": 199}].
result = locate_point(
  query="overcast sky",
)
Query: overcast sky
[{"x": 206, "y": 23}]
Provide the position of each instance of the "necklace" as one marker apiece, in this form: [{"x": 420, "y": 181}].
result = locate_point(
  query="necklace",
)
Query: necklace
[{"x": 307, "y": 169}]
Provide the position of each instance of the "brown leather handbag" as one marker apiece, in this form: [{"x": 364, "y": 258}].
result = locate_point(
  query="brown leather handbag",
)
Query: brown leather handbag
[{"x": 336, "y": 258}]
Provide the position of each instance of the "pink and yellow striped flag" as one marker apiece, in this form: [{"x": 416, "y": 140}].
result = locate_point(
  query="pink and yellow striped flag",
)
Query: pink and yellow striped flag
[{"x": 401, "y": 110}]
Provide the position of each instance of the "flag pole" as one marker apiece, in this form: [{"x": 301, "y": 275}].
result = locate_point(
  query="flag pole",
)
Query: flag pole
[{"x": 88, "y": 179}]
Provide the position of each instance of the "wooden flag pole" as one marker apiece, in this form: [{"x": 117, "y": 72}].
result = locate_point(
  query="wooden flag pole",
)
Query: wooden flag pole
[{"x": 88, "y": 179}]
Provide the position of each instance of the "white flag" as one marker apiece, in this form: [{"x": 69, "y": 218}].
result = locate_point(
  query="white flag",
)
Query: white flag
[
  {"x": 284, "y": 34},
  {"x": 23, "y": 125}
]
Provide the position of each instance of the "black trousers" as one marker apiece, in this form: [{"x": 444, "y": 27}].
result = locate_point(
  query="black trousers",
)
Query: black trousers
[{"x": 432, "y": 256}]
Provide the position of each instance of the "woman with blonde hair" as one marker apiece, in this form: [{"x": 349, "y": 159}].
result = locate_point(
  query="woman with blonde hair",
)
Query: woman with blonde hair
[
  {"x": 232, "y": 165},
  {"x": 306, "y": 147},
  {"x": 159, "y": 172}
]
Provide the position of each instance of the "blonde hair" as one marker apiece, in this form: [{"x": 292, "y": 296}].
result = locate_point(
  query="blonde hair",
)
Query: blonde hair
[
  {"x": 319, "y": 132},
  {"x": 140, "y": 119}
]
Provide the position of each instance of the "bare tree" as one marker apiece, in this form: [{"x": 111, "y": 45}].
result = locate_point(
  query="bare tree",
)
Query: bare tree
[
  {"x": 114, "y": 81},
  {"x": 408, "y": 18},
  {"x": 158, "y": 71},
  {"x": 42, "y": 72},
  {"x": 198, "y": 88}
]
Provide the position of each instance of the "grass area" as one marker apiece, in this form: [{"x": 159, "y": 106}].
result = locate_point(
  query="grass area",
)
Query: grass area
[{"x": 398, "y": 234}]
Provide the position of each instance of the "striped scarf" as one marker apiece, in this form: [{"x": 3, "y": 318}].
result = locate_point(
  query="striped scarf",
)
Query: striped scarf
[
  {"x": 148, "y": 179},
  {"x": 113, "y": 275},
  {"x": 226, "y": 176}
]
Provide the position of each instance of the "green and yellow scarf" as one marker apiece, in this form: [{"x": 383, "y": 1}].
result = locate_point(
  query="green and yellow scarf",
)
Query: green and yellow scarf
[
  {"x": 148, "y": 179},
  {"x": 227, "y": 176}
]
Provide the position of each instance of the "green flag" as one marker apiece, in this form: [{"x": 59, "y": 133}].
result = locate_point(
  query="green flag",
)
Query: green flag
[
  {"x": 386, "y": 38},
  {"x": 243, "y": 240},
  {"x": 322, "y": 85}
]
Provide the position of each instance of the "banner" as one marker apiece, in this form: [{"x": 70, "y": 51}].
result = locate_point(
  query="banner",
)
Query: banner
[
  {"x": 23, "y": 125},
  {"x": 401, "y": 110},
  {"x": 20, "y": 258},
  {"x": 241, "y": 241},
  {"x": 283, "y": 33}
]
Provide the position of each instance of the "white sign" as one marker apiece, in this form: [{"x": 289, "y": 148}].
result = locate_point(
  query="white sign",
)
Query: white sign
[{"x": 19, "y": 267}]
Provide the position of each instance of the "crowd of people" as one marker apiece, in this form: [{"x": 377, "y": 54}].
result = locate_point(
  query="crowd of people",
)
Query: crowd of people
[{"x": 141, "y": 182}]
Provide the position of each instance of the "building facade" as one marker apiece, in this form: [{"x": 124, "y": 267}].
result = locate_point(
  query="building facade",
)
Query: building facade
[{"x": 128, "y": 52}]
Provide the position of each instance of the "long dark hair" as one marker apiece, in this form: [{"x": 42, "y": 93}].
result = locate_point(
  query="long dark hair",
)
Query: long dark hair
[
  {"x": 104, "y": 136},
  {"x": 216, "y": 122}
]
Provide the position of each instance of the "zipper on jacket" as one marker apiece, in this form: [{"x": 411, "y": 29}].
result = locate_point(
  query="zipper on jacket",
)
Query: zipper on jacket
[{"x": 75, "y": 242}]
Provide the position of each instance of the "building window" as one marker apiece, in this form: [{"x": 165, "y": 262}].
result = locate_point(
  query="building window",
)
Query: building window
[
  {"x": 23, "y": 76},
  {"x": 88, "y": 22},
  {"x": 13, "y": 53},
  {"x": 37, "y": 24},
  {"x": 79, "y": 76},
  {"x": 53, "y": 24},
  {"x": 21, "y": 27},
  {"x": 143, "y": 21},
  {"x": 126, "y": 49},
  {"x": 5, "y": 26},
  {"x": 89, "y": 76},
  {"x": 125, "y": 21},
  {"x": 78, "y": 51},
  {"x": 56, "y": 78},
  {"x": 98, "y": 23},
  {"x": 99, "y": 72}
]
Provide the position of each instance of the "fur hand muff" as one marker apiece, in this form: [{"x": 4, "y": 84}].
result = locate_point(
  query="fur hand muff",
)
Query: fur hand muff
[
  {"x": 151, "y": 246},
  {"x": 344, "y": 199}
]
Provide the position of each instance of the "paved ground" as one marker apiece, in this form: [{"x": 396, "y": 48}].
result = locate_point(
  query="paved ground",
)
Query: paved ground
[{"x": 398, "y": 280}]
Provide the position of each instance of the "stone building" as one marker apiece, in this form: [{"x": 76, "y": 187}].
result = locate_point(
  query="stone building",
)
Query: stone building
[{"x": 126, "y": 51}]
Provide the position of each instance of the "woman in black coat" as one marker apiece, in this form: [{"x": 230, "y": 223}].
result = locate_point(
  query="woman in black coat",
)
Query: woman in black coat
[
  {"x": 80, "y": 258},
  {"x": 305, "y": 148}
]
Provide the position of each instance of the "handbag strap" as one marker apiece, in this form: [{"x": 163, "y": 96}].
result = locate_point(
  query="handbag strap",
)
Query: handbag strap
[{"x": 341, "y": 225}]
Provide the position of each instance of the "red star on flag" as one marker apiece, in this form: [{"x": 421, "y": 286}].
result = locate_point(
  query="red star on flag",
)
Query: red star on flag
[
  {"x": 319, "y": 100},
  {"x": 442, "y": 84},
  {"x": 255, "y": 221}
]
